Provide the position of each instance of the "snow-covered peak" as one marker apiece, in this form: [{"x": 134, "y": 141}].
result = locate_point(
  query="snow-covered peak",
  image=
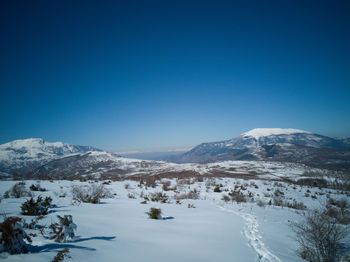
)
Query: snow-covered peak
[
  {"x": 24, "y": 152},
  {"x": 30, "y": 142},
  {"x": 261, "y": 132}
]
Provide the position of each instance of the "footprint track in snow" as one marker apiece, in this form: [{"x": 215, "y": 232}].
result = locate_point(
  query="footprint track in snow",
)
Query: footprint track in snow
[{"x": 251, "y": 232}]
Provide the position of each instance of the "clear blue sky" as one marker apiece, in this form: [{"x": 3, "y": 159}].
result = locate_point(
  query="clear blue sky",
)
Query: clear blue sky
[{"x": 150, "y": 75}]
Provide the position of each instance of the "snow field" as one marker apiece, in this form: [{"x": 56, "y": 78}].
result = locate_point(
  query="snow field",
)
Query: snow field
[{"x": 119, "y": 229}]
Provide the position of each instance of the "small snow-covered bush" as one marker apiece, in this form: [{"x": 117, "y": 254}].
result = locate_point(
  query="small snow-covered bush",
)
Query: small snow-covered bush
[
  {"x": 61, "y": 255},
  {"x": 238, "y": 196},
  {"x": 64, "y": 229},
  {"x": 261, "y": 203},
  {"x": 190, "y": 206},
  {"x": 36, "y": 207},
  {"x": 131, "y": 196},
  {"x": 150, "y": 181},
  {"x": 37, "y": 187},
  {"x": 92, "y": 194},
  {"x": 154, "y": 213},
  {"x": 166, "y": 185},
  {"x": 226, "y": 198},
  {"x": 193, "y": 194},
  {"x": 12, "y": 236},
  {"x": 18, "y": 190},
  {"x": 7, "y": 194},
  {"x": 217, "y": 189},
  {"x": 159, "y": 197}
]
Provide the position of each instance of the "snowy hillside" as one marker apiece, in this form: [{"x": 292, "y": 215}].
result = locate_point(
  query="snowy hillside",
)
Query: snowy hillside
[{"x": 29, "y": 152}]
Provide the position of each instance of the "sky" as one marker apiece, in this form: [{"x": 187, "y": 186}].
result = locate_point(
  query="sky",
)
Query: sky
[{"x": 158, "y": 75}]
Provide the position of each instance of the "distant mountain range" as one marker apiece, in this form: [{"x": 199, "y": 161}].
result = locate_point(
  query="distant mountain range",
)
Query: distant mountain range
[
  {"x": 26, "y": 154},
  {"x": 37, "y": 157},
  {"x": 274, "y": 144}
]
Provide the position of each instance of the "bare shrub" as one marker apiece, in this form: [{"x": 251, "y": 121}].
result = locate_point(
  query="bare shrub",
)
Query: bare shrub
[
  {"x": 238, "y": 196},
  {"x": 150, "y": 181},
  {"x": 278, "y": 193},
  {"x": 166, "y": 185},
  {"x": 226, "y": 198},
  {"x": 18, "y": 190},
  {"x": 296, "y": 205},
  {"x": 210, "y": 182},
  {"x": 159, "y": 197},
  {"x": 92, "y": 194},
  {"x": 154, "y": 213},
  {"x": 319, "y": 237},
  {"x": 338, "y": 209},
  {"x": 12, "y": 236},
  {"x": 193, "y": 194},
  {"x": 61, "y": 255}
]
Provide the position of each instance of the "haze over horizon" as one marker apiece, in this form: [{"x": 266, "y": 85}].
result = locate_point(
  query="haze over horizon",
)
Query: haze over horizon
[{"x": 155, "y": 75}]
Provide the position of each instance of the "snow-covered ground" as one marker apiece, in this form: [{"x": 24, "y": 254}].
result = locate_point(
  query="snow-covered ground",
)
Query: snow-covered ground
[{"x": 118, "y": 228}]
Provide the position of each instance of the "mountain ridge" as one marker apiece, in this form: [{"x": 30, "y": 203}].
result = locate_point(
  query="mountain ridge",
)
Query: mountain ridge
[
  {"x": 290, "y": 145},
  {"x": 27, "y": 153}
]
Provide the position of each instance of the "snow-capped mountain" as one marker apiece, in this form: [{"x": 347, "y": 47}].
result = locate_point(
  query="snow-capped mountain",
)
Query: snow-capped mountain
[
  {"x": 27, "y": 153},
  {"x": 272, "y": 144}
]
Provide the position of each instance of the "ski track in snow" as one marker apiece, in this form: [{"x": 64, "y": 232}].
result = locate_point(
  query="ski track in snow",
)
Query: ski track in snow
[{"x": 251, "y": 232}]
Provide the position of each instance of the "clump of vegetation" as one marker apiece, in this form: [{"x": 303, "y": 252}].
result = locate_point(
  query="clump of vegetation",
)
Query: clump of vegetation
[
  {"x": 131, "y": 196},
  {"x": 92, "y": 194},
  {"x": 237, "y": 196},
  {"x": 36, "y": 207},
  {"x": 261, "y": 203},
  {"x": 190, "y": 206},
  {"x": 278, "y": 193},
  {"x": 193, "y": 194},
  {"x": 166, "y": 185},
  {"x": 217, "y": 189},
  {"x": 226, "y": 198},
  {"x": 319, "y": 236},
  {"x": 159, "y": 197},
  {"x": 61, "y": 255},
  {"x": 339, "y": 210},
  {"x": 150, "y": 181},
  {"x": 18, "y": 190},
  {"x": 12, "y": 236},
  {"x": 154, "y": 213},
  {"x": 37, "y": 187},
  {"x": 64, "y": 229}
]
